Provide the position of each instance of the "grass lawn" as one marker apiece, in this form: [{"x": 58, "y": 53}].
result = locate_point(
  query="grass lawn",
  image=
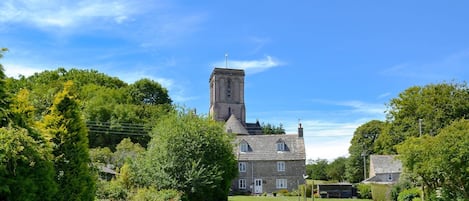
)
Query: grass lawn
[{"x": 286, "y": 198}]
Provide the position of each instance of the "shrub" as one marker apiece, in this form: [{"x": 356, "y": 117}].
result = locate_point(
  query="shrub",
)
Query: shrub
[
  {"x": 308, "y": 190},
  {"x": 283, "y": 192},
  {"x": 381, "y": 192},
  {"x": 364, "y": 191},
  {"x": 151, "y": 194},
  {"x": 409, "y": 194}
]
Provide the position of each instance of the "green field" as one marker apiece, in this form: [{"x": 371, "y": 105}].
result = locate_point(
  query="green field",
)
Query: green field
[{"x": 286, "y": 198}]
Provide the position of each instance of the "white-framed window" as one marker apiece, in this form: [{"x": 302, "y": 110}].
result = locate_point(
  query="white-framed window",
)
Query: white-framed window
[
  {"x": 281, "y": 183},
  {"x": 242, "y": 184},
  {"x": 281, "y": 146},
  {"x": 242, "y": 166},
  {"x": 280, "y": 166},
  {"x": 243, "y": 147}
]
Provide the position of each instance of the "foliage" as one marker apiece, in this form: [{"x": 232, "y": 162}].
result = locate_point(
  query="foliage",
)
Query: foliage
[
  {"x": 26, "y": 171},
  {"x": 316, "y": 169},
  {"x": 381, "y": 192},
  {"x": 437, "y": 105},
  {"x": 364, "y": 190},
  {"x": 126, "y": 151},
  {"x": 406, "y": 181},
  {"x": 191, "y": 154},
  {"x": 151, "y": 194},
  {"x": 146, "y": 91},
  {"x": 309, "y": 188},
  {"x": 4, "y": 95},
  {"x": 272, "y": 129},
  {"x": 108, "y": 107},
  {"x": 362, "y": 143},
  {"x": 444, "y": 165},
  {"x": 336, "y": 169},
  {"x": 67, "y": 131},
  {"x": 409, "y": 194}
]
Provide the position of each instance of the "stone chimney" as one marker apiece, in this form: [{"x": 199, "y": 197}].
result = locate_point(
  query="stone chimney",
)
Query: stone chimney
[{"x": 300, "y": 130}]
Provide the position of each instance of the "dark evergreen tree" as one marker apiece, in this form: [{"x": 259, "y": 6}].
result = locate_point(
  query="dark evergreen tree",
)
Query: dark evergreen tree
[{"x": 67, "y": 132}]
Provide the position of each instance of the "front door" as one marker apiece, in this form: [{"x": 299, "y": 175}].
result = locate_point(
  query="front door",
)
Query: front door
[{"x": 258, "y": 186}]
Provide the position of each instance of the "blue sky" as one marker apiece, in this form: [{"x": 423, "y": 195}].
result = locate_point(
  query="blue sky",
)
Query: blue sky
[{"x": 331, "y": 64}]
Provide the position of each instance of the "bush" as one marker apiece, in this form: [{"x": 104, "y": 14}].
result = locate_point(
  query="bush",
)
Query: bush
[
  {"x": 283, "y": 192},
  {"x": 409, "y": 194},
  {"x": 364, "y": 191},
  {"x": 151, "y": 194},
  {"x": 381, "y": 192},
  {"x": 308, "y": 190}
]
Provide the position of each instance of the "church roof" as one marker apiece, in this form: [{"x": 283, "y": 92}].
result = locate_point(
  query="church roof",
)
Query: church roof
[
  {"x": 233, "y": 125},
  {"x": 264, "y": 147}
]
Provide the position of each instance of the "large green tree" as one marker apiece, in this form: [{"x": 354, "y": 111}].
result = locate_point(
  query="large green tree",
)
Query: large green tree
[
  {"x": 362, "y": 145},
  {"x": 336, "y": 169},
  {"x": 441, "y": 161},
  {"x": 191, "y": 154},
  {"x": 66, "y": 129},
  {"x": 425, "y": 111},
  {"x": 146, "y": 91},
  {"x": 316, "y": 169}
]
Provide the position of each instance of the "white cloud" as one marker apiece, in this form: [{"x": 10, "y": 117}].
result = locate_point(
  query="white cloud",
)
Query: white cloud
[
  {"x": 252, "y": 66},
  {"x": 15, "y": 70},
  {"x": 63, "y": 14}
]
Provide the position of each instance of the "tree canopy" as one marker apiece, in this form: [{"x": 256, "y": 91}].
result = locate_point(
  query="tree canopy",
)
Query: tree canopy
[
  {"x": 442, "y": 160},
  {"x": 191, "y": 154}
]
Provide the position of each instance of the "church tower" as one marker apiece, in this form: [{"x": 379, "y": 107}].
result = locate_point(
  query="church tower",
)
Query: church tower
[{"x": 227, "y": 94}]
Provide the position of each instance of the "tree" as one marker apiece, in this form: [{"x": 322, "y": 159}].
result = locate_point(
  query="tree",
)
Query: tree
[
  {"x": 191, "y": 154},
  {"x": 146, "y": 91},
  {"x": 272, "y": 129},
  {"x": 66, "y": 130},
  {"x": 336, "y": 169},
  {"x": 26, "y": 169},
  {"x": 427, "y": 109},
  {"x": 362, "y": 144},
  {"x": 444, "y": 165},
  {"x": 317, "y": 169}
]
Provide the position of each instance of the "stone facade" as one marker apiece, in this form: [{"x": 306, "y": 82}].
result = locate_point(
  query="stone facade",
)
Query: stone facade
[
  {"x": 266, "y": 163},
  {"x": 270, "y": 176}
]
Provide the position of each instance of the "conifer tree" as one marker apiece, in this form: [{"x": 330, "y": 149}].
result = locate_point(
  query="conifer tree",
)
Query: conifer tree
[{"x": 66, "y": 130}]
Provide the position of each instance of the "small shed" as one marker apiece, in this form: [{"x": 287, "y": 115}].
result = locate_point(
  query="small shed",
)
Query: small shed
[{"x": 341, "y": 190}]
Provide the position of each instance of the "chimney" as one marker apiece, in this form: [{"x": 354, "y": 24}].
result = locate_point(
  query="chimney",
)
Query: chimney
[{"x": 300, "y": 130}]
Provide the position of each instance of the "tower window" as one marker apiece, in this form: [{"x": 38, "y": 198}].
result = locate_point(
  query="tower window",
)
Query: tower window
[{"x": 228, "y": 88}]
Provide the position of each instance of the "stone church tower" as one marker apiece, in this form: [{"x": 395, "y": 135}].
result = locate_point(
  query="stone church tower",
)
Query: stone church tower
[{"x": 227, "y": 95}]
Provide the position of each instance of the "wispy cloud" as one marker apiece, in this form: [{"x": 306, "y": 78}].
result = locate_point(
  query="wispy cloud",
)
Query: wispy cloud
[
  {"x": 356, "y": 106},
  {"x": 63, "y": 14},
  {"x": 446, "y": 68},
  {"x": 252, "y": 66}
]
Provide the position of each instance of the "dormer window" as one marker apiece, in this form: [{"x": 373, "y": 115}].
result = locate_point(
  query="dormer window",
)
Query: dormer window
[
  {"x": 243, "y": 146},
  {"x": 281, "y": 146}
]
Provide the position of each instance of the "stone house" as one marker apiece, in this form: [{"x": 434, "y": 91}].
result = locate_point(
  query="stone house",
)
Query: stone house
[
  {"x": 384, "y": 169},
  {"x": 266, "y": 163}
]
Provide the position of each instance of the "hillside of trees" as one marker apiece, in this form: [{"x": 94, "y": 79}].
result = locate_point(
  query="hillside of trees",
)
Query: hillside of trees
[{"x": 83, "y": 135}]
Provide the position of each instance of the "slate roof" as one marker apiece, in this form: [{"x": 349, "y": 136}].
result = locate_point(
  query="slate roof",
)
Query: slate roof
[
  {"x": 264, "y": 147},
  {"x": 384, "y": 164},
  {"x": 384, "y": 178},
  {"x": 233, "y": 125}
]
